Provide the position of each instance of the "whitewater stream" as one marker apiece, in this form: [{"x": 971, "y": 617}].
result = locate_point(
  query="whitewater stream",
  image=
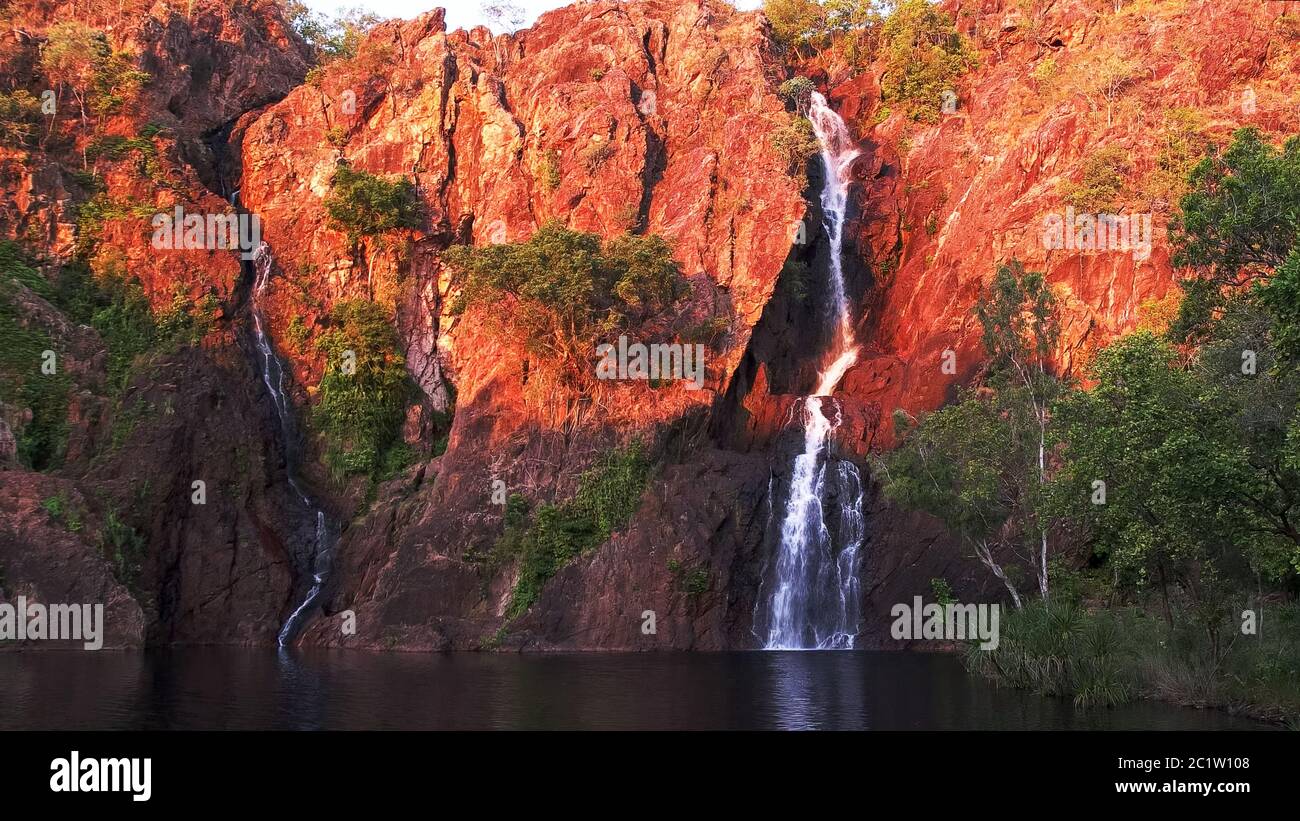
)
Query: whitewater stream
[
  {"x": 813, "y": 595},
  {"x": 272, "y": 371}
]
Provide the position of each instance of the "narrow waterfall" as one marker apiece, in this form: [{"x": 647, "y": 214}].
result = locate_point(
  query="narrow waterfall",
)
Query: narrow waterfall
[
  {"x": 273, "y": 377},
  {"x": 813, "y": 591}
]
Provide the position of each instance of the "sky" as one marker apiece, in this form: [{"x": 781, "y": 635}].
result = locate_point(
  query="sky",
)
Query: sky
[{"x": 460, "y": 13}]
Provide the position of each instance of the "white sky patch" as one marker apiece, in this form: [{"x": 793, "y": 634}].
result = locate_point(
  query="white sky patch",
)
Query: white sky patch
[{"x": 460, "y": 13}]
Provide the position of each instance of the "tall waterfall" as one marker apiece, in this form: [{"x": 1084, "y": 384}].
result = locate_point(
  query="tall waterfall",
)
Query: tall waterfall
[
  {"x": 273, "y": 377},
  {"x": 813, "y": 590}
]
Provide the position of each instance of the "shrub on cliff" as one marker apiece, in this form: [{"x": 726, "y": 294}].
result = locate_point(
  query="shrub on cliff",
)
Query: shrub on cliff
[
  {"x": 20, "y": 113},
  {"x": 923, "y": 55},
  {"x": 1102, "y": 182},
  {"x": 795, "y": 143},
  {"x": 80, "y": 58},
  {"x": 562, "y": 291},
  {"x": 361, "y": 204},
  {"x": 23, "y": 384},
  {"x": 608, "y": 496},
  {"x": 364, "y": 390}
]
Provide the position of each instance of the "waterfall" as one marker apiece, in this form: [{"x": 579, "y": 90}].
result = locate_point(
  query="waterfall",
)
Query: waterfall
[
  {"x": 814, "y": 593},
  {"x": 273, "y": 377}
]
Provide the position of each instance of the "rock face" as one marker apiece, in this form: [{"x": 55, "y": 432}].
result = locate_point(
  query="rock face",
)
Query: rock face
[
  {"x": 654, "y": 116},
  {"x": 606, "y": 116},
  {"x": 942, "y": 205},
  {"x": 117, "y": 521}
]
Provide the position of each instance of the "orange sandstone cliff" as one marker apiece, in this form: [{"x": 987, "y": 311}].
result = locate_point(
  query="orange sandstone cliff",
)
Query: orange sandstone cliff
[{"x": 606, "y": 116}]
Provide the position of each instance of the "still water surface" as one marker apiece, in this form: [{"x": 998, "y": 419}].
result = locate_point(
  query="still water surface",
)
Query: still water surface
[{"x": 225, "y": 688}]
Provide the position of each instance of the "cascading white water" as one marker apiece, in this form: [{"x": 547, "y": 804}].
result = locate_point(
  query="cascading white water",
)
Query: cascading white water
[
  {"x": 814, "y": 589},
  {"x": 273, "y": 378}
]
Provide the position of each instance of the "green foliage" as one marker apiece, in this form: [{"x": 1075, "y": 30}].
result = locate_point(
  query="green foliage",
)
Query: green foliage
[
  {"x": 1281, "y": 295},
  {"x": 979, "y": 464},
  {"x": 795, "y": 143},
  {"x": 924, "y": 55},
  {"x": 1102, "y": 183},
  {"x": 360, "y": 413},
  {"x": 331, "y": 38},
  {"x": 797, "y": 92},
  {"x": 125, "y": 550},
  {"x": 42, "y": 440},
  {"x": 298, "y": 334},
  {"x": 608, "y": 496},
  {"x": 942, "y": 592},
  {"x": 1242, "y": 216},
  {"x": 1108, "y": 657},
  {"x": 549, "y": 169},
  {"x": 62, "y": 512},
  {"x": 80, "y": 58},
  {"x": 1057, "y": 649},
  {"x": 121, "y": 313},
  {"x": 1182, "y": 146},
  {"x": 20, "y": 114},
  {"x": 795, "y": 23},
  {"x": 808, "y": 26},
  {"x": 697, "y": 582},
  {"x": 361, "y": 204},
  {"x": 1199, "y": 463},
  {"x": 562, "y": 290}
]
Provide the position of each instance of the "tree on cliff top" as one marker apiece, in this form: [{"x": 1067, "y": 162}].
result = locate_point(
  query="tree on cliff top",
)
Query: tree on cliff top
[
  {"x": 924, "y": 55},
  {"x": 71, "y": 56},
  {"x": 809, "y": 25}
]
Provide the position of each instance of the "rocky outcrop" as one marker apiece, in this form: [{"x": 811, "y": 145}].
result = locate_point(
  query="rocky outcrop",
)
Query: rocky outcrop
[
  {"x": 941, "y": 206},
  {"x": 117, "y": 519},
  {"x": 607, "y": 116}
]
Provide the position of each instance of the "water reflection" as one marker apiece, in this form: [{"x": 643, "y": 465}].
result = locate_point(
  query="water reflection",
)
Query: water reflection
[{"x": 230, "y": 688}]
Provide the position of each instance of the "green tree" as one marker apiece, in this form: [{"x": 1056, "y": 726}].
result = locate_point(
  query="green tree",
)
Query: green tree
[
  {"x": 71, "y": 57},
  {"x": 955, "y": 464},
  {"x": 981, "y": 465},
  {"x": 1241, "y": 218},
  {"x": 924, "y": 55},
  {"x": 364, "y": 205},
  {"x": 1239, "y": 226},
  {"x": 1160, "y": 464},
  {"x": 795, "y": 23}
]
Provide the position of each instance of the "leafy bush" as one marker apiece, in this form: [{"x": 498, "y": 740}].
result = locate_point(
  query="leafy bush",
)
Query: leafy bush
[
  {"x": 20, "y": 113},
  {"x": 43, "y": 439},
  {"x": 924, "y": 55},
  {"x": 562, "y": 290},
  {"x": 360, "y": 412},
  {"x": 80, "y": 58},
  {"x": 797, "y": 92},
  {"x": 795, "y": 143},
  {"x": 608, "y": 496},
  {"x": 62, "y": 512},
  {"x": 1102, "y": 183},
  {"x": 125, "y": 550},
  {"x": 549, "y": 170},
  {"x": 361, "y": 204},
  {"x": 795, "y": 23},
  {"x": 1057, "y": 649}
]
